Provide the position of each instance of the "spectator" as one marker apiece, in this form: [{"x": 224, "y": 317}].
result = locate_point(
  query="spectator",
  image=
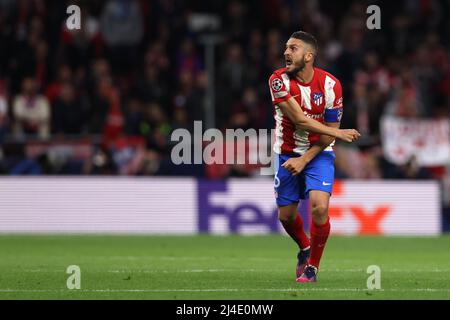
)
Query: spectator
[
  {"x": 68, "y": 114},
  {"x": 4, "y": 109},
  {"x": 136, "y": 68},
  {"x": 53, "y": 89},
  {"x": 133, "y": 117},
  {"x": 410, "y": 170},
  {"x": 188, "y": 59},
  {"x": 158, "y": 128},
  {"x": 31, "y": 111},
  {"x": 405, "y": 101},
  {"x": 180, "y": 119},
  {"x": 98, "y": 109},
  {"x": 252, "y": 109},
  {"x": 233, "y": 70}
]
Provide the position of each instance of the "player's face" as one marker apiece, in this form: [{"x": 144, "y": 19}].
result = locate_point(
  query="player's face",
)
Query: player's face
[{"x": 295, "y": 56}]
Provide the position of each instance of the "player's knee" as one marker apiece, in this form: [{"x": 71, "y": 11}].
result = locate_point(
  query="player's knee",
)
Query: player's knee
[
  {"x": 285, "y": 216},
  {"x": 319, "y": 210}
]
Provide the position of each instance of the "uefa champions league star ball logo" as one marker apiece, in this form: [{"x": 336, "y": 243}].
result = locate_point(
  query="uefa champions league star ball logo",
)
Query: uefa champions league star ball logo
[{"x": 277, "y": 84}]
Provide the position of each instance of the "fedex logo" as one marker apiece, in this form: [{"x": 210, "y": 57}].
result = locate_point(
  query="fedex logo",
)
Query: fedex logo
[
  {"x": 385, "y": 207},
  {"x": 365, "y": 221},
  {"x": 232, "y": 216},
  {"x": 356, "y": 207},
  {"x": 238, "y": 207}
]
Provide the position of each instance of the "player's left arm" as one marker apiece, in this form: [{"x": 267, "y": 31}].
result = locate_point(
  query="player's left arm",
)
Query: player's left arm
[{"x": 332, "y": 115}]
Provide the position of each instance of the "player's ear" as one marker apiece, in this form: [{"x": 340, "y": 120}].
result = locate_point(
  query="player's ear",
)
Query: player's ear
[{"x": 309, "y": 56}]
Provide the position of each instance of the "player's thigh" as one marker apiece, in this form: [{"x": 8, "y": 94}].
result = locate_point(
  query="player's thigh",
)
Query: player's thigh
[
  {"x": 286, "y": 186},
  {"x": 319, "y": 179}
]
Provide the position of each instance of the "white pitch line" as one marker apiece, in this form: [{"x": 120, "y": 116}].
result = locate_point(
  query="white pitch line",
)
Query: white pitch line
[
  {"x": 180, "y": 271},
  {"x": 225, "y": 290},
  {"x": 158, "y": 271},
  {"x": 263, "y": 270},
  {"x": 180, "y": 258},
  {"x": 236, "y": 270}
]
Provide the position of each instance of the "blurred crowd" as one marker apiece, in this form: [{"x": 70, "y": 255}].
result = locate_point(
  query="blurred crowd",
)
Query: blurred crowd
[{"x": 136, "y": 71}]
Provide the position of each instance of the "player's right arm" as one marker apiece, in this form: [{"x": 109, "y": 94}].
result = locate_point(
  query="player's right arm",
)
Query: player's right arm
[
  {"x": 289, "y": 106},
  {"x": 293, "y": 111}
]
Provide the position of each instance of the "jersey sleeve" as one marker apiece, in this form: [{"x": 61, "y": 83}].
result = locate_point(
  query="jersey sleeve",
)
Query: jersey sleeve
[
  {"x": 278, "y": 89},
  {"x": 335, "y": 107}
]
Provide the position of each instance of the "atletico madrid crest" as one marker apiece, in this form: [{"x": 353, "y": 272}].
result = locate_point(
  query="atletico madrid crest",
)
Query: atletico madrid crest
[{"x": 318, "y": 98}]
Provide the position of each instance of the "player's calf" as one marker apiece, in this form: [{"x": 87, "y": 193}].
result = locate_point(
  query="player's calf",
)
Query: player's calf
[
  {"x": 293, "y": 225},
  {"x": 320, "y": 226}
]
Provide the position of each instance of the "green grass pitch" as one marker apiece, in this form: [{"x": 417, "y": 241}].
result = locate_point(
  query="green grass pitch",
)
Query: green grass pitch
[{"x": 219, "y": 267}]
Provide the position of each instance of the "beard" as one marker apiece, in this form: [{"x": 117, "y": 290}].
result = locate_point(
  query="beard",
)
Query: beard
[{"x": 297, "y": 68}]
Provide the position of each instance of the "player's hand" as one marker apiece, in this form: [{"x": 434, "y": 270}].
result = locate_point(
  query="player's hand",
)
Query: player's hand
[
  {"x": 348, "y": 135},
  {"x": 295, "y": 165}
]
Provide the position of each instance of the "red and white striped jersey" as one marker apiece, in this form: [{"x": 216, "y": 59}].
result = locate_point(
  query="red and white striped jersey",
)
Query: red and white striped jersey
[{"x": 320, "y": 99}]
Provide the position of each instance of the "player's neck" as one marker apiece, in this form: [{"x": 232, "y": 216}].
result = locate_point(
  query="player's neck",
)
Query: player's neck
[{"x": 306, "y": 75}]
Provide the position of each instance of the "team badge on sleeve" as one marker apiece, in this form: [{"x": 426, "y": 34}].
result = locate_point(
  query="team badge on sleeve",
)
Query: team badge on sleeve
[
  {"x": 333, "y": 115},
  {"x": 277, "y": 84},
  {"x": 339, "y": 114}
]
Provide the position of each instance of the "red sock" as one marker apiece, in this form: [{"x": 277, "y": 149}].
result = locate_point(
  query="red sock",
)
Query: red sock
[
  {"x": 295, "y": 230},
  {"x": 319, "y": 236}
]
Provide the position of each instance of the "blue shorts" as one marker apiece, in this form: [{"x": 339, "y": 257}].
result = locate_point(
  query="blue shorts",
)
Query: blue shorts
[{"x": 317, "y": 175}]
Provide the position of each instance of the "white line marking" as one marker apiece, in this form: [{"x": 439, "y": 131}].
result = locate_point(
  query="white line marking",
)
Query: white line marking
[
  {"x": 303, "y": 289},
  {"x": 235, "y": 270},
  {"x": 183, "y": 271},
  {"x": 181, "y": 258}
]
